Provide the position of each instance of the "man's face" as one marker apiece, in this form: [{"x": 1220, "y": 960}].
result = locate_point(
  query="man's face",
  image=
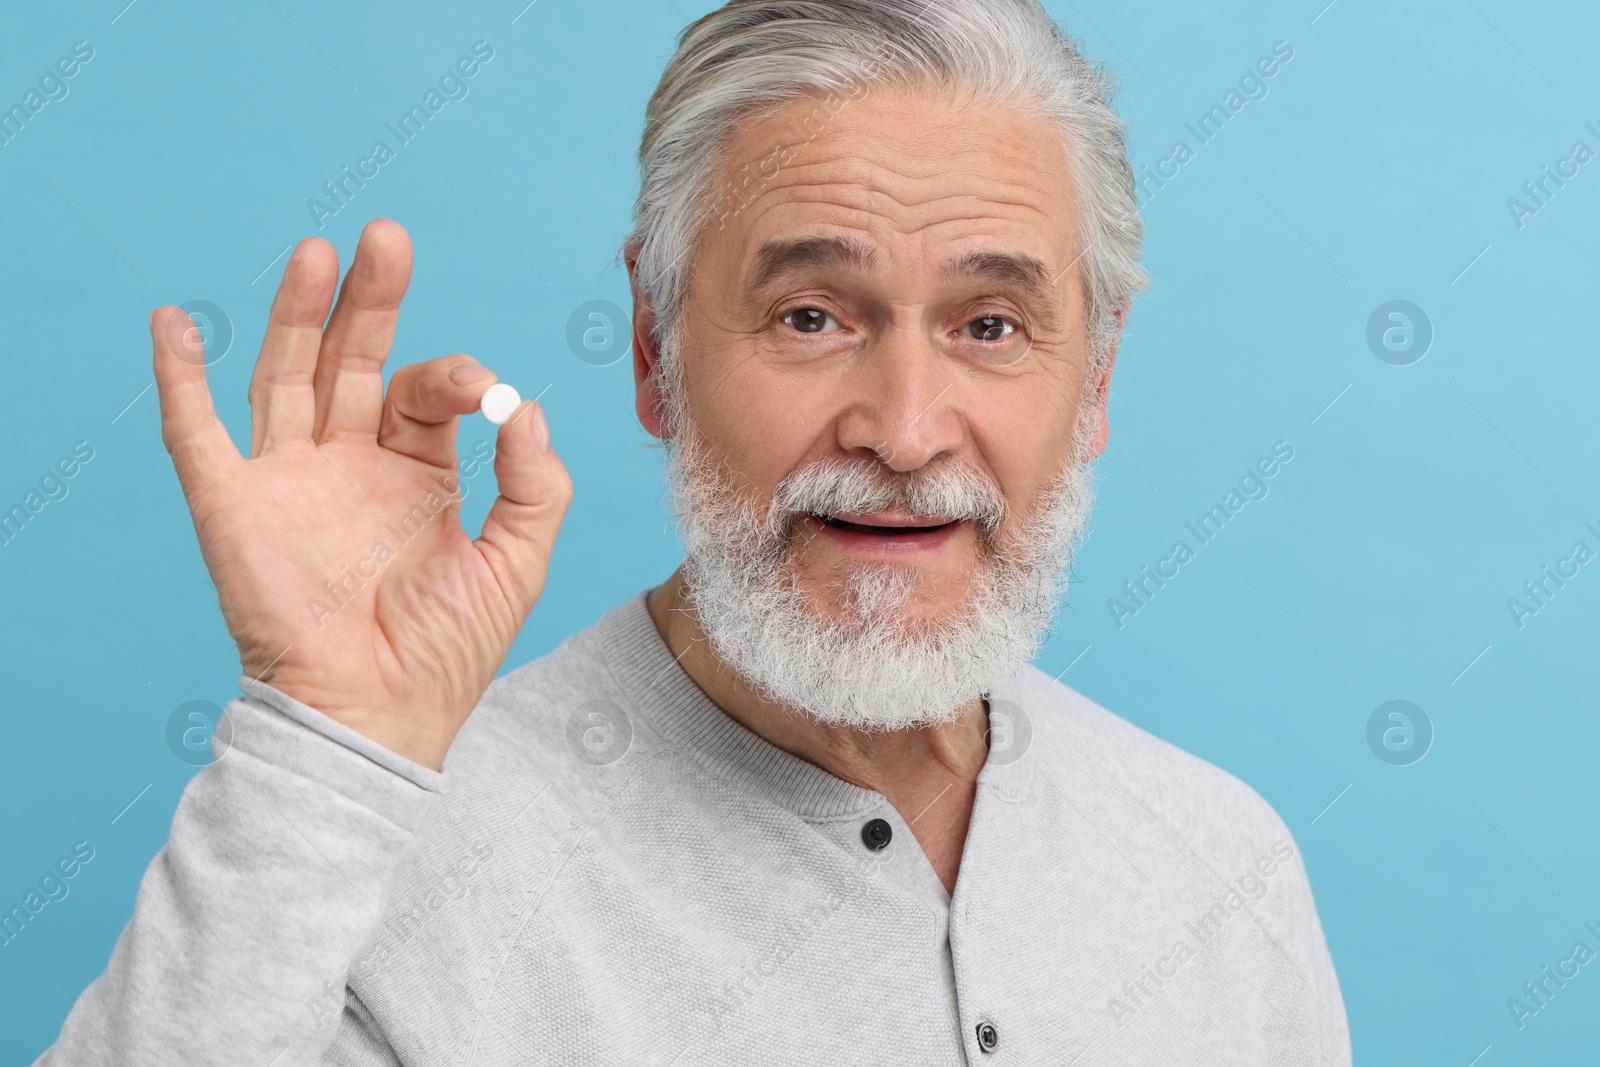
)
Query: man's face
[{"x": 888, "y": 293}]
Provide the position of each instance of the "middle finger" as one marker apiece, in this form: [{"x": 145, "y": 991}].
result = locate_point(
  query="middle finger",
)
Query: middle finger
[{"x": 349, "y": 378}]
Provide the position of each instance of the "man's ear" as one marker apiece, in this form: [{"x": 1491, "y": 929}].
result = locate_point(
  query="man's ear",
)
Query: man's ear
[
  {"x": 648, "y": 401},
  {"x": 1098, "y": 392}
]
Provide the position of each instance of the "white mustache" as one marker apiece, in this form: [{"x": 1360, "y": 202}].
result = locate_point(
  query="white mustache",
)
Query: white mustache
[{"x": 947, "y": 492}]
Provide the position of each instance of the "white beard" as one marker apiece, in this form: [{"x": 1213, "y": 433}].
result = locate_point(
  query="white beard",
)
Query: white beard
[{"x": 874, "y": 666}]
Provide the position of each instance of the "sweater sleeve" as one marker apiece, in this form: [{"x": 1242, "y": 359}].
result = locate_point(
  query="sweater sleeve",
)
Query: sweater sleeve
[
  {"x": 359, "y": 1043},
  {"x": 1335, "y": 1024},
  {"x": 273, "y": 879}
]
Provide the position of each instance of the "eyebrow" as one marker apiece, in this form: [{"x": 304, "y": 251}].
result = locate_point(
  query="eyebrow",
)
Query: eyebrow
[
  {"x": 1018, "y": 270},
  {"x": 1021, "y": 271},
  {"x": 780, "y": 257}
]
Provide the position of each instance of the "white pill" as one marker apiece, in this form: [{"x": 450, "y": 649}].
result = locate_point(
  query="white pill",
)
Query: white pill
[{"x": 499, "y": 402}]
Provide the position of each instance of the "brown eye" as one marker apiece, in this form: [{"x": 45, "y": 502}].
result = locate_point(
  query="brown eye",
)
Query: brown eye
[
  {"x": 989, "y": 328},
  {"x": 807, "y": 320}
]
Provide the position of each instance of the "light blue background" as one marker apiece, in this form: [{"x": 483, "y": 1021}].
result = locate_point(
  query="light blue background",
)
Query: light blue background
[{"x": 1378, "y": 167}]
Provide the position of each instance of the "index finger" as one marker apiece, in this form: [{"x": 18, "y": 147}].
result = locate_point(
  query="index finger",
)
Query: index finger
[{"x": 425, "y": 399}]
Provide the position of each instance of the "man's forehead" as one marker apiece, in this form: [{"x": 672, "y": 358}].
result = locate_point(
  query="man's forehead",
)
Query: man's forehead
[{"x": 969, "y": 183}]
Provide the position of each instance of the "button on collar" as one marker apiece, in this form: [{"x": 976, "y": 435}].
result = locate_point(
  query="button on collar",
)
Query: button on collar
[{"x": 876, "y": 834}]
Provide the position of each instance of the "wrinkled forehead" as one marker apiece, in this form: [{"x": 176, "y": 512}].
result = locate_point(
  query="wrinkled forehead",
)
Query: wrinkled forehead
[{"x": 891, "y": 178}]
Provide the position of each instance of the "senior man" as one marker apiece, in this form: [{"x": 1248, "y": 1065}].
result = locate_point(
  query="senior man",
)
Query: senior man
[{"x": 804, "y": 802}]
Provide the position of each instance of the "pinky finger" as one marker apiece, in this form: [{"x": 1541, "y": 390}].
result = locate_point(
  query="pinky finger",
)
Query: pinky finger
[{"x": 202, "y": 452}]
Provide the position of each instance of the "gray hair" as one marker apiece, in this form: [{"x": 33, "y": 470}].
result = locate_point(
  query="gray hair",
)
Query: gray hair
[{"x": 751, "y": 58}]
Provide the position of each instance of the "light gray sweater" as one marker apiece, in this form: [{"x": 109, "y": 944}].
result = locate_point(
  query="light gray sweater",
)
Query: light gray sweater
[{"x": 610, "y": 870}]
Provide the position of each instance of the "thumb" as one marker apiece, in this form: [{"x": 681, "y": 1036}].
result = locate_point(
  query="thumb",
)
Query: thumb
[{"x": 535, "y": 489}]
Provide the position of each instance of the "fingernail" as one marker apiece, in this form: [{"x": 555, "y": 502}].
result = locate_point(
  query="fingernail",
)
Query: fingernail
[
  {"x": 541, "y": 429},
  {"x": 468, "y": 373}
]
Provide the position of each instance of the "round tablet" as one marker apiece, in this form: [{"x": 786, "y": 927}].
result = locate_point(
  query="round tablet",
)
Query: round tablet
[{"x": 499, "y": 402}]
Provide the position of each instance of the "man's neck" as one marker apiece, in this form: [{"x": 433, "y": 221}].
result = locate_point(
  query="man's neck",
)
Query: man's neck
[{"x": 929, "y": 774}]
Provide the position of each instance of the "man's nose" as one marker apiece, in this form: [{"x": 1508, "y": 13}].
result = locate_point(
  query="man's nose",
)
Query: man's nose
[{"x": 903, "y": 401}]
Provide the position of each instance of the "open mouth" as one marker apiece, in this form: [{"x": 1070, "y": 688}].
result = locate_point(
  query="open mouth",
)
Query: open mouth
[{"x": 882, "y": 530}]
